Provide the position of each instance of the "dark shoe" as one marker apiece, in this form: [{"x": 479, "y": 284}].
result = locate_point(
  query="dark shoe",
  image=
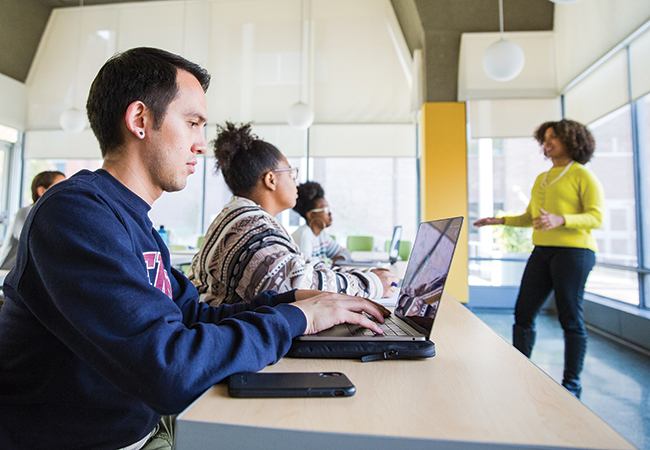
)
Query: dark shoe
[
  {"x": 575, "y": 349},
  {"x": 573, "y": 386}
]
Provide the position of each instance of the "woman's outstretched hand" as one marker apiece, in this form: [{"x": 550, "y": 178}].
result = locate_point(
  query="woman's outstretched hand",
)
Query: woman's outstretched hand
[{"x": 490, "y": 221}]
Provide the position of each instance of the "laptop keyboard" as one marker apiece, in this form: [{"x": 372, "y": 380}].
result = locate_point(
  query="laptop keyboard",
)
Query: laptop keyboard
[{"x": 389, "y": 327}]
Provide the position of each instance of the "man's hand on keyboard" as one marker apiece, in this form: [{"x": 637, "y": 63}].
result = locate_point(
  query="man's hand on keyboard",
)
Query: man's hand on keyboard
[{"x": 323, "y": 310}]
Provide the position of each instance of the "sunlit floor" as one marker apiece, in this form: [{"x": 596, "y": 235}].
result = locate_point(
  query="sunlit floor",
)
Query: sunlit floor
[{"x": 615, "y": 381}]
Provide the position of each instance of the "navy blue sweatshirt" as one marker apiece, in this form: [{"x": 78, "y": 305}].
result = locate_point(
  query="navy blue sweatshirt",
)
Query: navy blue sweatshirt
[{"x": 99, "y": 336}]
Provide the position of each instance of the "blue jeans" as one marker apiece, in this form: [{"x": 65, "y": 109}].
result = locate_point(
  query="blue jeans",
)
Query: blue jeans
[{"x": 563, "y": 270}]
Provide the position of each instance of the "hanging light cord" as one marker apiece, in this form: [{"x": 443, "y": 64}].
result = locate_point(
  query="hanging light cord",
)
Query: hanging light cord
[
  {"x": 76, "y": 73},
  {"x": 501, "y": 17},
  {"x": 302, "y": 43}
]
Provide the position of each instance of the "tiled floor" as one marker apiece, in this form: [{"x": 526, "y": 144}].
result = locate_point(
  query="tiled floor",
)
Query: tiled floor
[{"x": 615, "y": 380}]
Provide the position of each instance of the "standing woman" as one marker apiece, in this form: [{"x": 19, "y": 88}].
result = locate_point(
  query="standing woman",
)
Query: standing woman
[
  {"x": 312, "y": 239},
  {"x": 246, "y": 250},
  {"x": 566, "y": 204}
]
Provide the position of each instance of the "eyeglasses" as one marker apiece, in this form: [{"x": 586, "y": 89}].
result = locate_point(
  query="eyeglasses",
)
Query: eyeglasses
[
  {"x": 326, "y": 210},
  {"x": 294, "y": 171}
]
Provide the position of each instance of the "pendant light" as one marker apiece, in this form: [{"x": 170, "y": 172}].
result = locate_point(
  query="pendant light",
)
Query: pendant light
[
  {"x": 504, "y": 60},
  {"x": 301, "y": 115},
  {"x": 72, "y": 120},
  {"x": 565, "y": 2}
]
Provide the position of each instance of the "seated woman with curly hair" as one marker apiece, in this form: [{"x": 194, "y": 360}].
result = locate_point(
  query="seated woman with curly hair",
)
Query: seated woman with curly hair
[
  {"x": 246, "y": 250},
  {"x": 314, "y": 242}
]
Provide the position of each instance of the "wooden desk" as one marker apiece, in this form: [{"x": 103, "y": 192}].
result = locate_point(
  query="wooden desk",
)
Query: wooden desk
[{"x": 478, "y": 391}]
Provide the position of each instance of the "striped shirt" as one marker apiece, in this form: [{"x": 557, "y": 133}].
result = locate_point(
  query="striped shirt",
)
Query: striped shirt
[
  {"x": 247, "y": 251},
  {"x": 318, "y": 247}
]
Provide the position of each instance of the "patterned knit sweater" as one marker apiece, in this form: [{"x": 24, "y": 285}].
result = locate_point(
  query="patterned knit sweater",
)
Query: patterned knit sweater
[{"x": 247, "y": 251}]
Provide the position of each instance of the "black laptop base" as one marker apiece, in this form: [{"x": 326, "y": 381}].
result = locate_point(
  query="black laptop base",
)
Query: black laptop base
[{"x": 364, "y": 350}]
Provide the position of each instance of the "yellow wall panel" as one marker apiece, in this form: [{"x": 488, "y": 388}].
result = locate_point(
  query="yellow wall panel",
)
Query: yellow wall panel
[{"x": 443, "y": 169}]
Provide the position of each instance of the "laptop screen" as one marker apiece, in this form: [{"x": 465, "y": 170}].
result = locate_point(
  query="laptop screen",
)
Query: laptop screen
[{"x": 427, "y": 271}]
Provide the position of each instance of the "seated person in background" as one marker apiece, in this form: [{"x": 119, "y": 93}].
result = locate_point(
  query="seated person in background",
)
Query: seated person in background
[
  {"x": 99, "y": 335},
  {"x": 246, "y": 250},
  {"x": 313, "y": 241},
  {"x": 41, "y": 183}
]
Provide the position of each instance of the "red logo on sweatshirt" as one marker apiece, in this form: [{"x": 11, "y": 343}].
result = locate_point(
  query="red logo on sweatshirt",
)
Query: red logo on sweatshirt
[{"x": 161, "y": 279}]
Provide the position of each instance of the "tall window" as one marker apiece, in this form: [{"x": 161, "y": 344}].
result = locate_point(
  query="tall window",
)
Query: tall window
[
  {"x": 369, "y": 196},
  {"x": 180, "y": 212},
  {"x": 385, "y": 195},
  {"x": 613, "y": 163},
  {"x": 5, "y": 152},
  {"x": 501, "y": 175}
]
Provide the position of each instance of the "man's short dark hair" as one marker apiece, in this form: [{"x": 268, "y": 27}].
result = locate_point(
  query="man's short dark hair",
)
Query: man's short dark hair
[{"x": 145, "y": 74}]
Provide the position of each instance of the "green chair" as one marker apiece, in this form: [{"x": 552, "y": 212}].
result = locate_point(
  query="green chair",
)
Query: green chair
[
  {"x": 404, "y": 249},
  {"x": 200, "y": 241},
  {"x": 360, "y": 243},
  {"x": 185, "y": 268}
]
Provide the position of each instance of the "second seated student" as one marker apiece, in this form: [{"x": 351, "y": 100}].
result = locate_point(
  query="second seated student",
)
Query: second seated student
[
  {"x": 312, "y": 239},
  {"x": 246, "y": 250},
  {"x": 99, "y": 336}
]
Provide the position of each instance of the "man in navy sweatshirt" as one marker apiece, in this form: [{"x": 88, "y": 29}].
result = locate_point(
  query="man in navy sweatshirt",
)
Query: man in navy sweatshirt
[{"x": 99, "y": 336}]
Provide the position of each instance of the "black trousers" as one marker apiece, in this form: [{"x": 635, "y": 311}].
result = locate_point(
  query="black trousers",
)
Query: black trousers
[{"x": 565, "y": 271}]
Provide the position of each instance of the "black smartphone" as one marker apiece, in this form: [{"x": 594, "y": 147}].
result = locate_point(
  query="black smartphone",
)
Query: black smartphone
[{"x": 289, "y": 384}]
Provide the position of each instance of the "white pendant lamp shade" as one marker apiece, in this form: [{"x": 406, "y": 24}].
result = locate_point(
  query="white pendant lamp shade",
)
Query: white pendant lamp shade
[
  {"x": 72, "y": 120},
  {"x": 300, "y": 116},
  {"x": 503, "y": 60},
  {"x": 564, "y": 2}
]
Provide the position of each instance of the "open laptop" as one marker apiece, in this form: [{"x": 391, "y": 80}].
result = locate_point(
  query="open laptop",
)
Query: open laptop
[
  {"x": 393, "y": 253},
  {"x": 421, "y": 291}
]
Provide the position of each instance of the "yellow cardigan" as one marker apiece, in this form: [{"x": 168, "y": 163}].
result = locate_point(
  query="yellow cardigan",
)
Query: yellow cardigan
[{"x": 577, "y": 196}]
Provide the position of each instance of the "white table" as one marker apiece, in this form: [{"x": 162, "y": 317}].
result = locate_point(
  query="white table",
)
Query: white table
[
  {"x": 369, "y": 256},
  {"x": 180, "y": 257}
]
